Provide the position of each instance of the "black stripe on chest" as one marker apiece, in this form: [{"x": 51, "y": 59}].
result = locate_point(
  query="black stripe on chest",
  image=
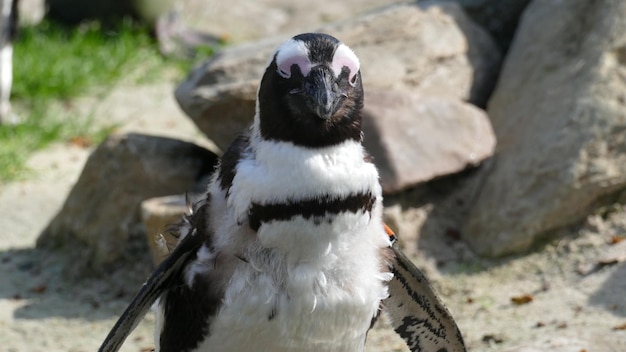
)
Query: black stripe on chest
[{"x": 309, "y": 208}]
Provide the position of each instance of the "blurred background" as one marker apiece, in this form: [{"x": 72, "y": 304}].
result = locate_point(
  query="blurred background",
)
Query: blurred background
[{"x": 498, "y": 127}]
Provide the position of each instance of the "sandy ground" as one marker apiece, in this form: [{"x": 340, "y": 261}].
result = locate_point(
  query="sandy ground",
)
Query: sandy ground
[{"x": 567, "y": 311}]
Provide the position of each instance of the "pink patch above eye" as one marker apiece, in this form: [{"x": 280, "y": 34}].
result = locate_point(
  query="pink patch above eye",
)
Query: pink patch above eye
[
  {"x": 284, "y": 67},
  {"x": 295, "y": 52},
  {"x": 344, "y": 57},
  {"x": 338, "y": 65},
  {"x": 292, "y": 52}
]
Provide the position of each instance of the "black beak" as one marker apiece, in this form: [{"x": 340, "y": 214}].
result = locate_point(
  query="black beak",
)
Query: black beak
[{"x": 322, "y": 93}]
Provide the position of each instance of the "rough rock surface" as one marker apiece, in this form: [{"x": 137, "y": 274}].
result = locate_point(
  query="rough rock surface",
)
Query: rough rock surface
[
  {"x": 559, "y": 113},
  {"x": 244, "y": 20},
  {"x": 438, "y": 51},
  {"x": 102, "y": 211},
  {"x": 414, "y": 139}
]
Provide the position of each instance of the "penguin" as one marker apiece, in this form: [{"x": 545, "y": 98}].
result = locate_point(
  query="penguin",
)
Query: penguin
[{"x": 287, "y": 251}]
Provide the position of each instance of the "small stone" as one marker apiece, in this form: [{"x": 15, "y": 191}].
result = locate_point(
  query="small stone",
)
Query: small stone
[{"x": 157, "y": 215}]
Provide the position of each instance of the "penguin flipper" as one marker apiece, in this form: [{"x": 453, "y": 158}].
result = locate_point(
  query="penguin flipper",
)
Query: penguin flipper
[
  {"x": 164, "y": 275},
  {"x": 416, "y": 312}
]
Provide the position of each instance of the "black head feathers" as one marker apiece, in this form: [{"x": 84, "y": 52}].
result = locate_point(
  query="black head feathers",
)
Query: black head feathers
[{"x": 311, "y": 93}]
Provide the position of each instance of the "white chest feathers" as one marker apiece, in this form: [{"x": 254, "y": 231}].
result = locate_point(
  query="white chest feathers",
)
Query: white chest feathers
[
  {"x": 279, "y": 301},
  {"x": 312, "y": 277},
  {"x": 280, "y": 171}
]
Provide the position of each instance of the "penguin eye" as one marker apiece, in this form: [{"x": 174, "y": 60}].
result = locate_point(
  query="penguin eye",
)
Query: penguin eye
[
  {"x": 292, "y": 52},
  {"x": 353, "y": 80},
  {"x": 346, "y": 75},
  {"x": 285, "y": 68},
  {"x": 346, "y": 62},
  {"x": 283, "y": 74}
]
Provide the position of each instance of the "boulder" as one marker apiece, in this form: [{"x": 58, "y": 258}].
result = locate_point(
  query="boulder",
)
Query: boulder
[
  {"x": 227, "y": 109},
  {"x": 102, "y": 212},
  {"x": 559, "y": 114},
  {"x": 244, "y": 20},
  {"x": 437, "y": 51},
  {"x": 414, "y": 139}
]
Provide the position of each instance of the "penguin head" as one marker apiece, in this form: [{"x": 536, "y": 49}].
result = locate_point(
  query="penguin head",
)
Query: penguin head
[{"x": 311, "y": 93}]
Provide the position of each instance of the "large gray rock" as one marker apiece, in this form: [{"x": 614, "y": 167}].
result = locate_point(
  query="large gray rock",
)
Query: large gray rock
[
  {"x": 436, "y": 51},
  {"x": 559, "y": 114},
  {"x": 245, "y": 20},
  {"x": 102, "y": 213},
  {"x": 415, "y": 139}
]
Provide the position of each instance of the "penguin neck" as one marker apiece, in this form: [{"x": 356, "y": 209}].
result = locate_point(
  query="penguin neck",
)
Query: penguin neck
[
  {"x": 275, "y": 172},
  {"x": 278, "y": 124},
  {"x": 274, "y": 153}
]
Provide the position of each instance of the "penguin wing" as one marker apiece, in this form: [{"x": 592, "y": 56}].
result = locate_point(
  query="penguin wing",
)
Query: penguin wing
[
  {"x": 163, "y": 277},
  {"x": 416, "y": 312}
]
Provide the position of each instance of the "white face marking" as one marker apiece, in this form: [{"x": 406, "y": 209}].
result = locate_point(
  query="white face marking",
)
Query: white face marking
[
  {"x": 293, "y": 52},
  {"x": 344, "y": 56}
]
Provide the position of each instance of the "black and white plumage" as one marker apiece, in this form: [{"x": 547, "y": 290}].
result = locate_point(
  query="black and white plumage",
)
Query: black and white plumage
[{"x": 288, "y": 252}]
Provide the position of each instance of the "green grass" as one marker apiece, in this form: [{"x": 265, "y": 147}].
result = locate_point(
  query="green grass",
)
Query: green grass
[{"x": 54, "y": 65}]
